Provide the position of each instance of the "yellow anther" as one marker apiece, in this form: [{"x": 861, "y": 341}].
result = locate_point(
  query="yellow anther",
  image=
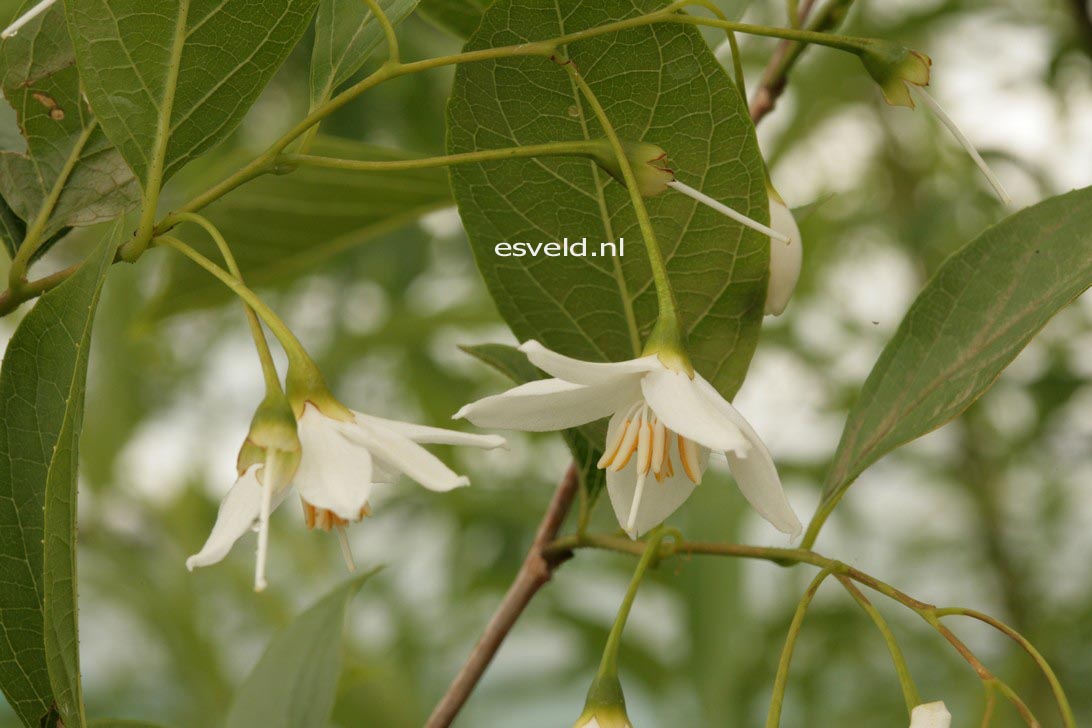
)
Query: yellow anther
[
  {"x": 644, "y": 448},
  {"x": 629, "y": 444},
  {"x": 688, "y": 455},
  {"x": 611, "y": 448},
  {"x": 659, "y": 447}
]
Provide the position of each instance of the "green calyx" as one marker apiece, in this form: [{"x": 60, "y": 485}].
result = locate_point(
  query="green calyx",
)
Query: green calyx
[
  {"x": 893, "y": 67},
  {"x": 272, "y": 434},
  {"x": 606, "y": 705},
  {"x": 668, "y": 341},
  {"x": 647, "y": 161},
  {"x": 305, "y": 384}
]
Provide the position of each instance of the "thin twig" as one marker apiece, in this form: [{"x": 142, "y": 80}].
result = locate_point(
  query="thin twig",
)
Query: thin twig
[{"x": 533, "y": 575}]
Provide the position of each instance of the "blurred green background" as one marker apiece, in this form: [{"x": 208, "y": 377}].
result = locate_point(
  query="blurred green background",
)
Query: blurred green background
[{"x": 991, "y": 512}]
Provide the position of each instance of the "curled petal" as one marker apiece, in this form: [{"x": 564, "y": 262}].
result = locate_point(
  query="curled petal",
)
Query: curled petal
[
  {"x": 432, "y": 435},
  {"x": 550, "y": 404},
  {"x": 785, "y": 258},
  {"x": 334, "y": 472},
  {"x": 686, "y": 409},
  {"x": 659, "y": 499},
  {"x": 585, "y": 372},
  {"x": 755, "y": 472},
  {"x": 396, "y": 453},
  {"x": 238, "y": 512}
]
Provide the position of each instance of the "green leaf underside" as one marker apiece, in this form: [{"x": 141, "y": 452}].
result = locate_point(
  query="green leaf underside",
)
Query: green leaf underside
[
  {"x": 585, "y": 443},
  {"x": 39, "y": 79},
  {"x": 982, "y": 307},
  {"x": 294, "y": 683},
  {"x": 346, "y": 34},
  {"x": 460, "y": 17},
  {"x": 229, "y": 50},
  {"x": 280, "y": 227},
  {"x": 660, "y": 84},
  {"x": 41, "y": 411}
]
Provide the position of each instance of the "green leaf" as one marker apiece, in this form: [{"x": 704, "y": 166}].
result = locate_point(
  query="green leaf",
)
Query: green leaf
[
  {"x": 659, "y": 84},
  {"x": 346, "y": 33},
  {"x": 41, "y": 411},
  {"x": 280, "y": 227},
  {"x": 121, "y": 723},
  {"x": 585, "y": 443},
  {"x": 295, "y": 681},
  {"x": 12, "y": 229},
  {"x": 460, "y": 17},
  {"x": 39, "y": 79},
  {"x": 982, "y": 307},
  {"x": 169, "y": 79}
]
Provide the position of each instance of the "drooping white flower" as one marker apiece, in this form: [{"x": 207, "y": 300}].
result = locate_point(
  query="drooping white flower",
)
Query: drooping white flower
[
  {"x": 663, "y": 425},
  {"x": 340, "y": 460},
  {"x": 785, "y": 258},
  {"x": 930, "y": 715}
]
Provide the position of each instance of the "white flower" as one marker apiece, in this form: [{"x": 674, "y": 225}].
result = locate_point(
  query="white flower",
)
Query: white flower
[
  {"x": 593, "y": 722},
  {"x": 930, "y": 715},
  {"x": 663, "y": 425},
  {"x": 785, "y": 257},
  {"x": 339, "y": 462}
]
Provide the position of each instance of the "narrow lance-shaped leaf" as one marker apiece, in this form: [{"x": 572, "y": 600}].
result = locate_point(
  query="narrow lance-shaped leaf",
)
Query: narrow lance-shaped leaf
[
  {"x": 659, "y": 84},
  {"x": 295, "y": 681},
  {"x": 41, "y": 408},
  {"x": 982, "y": 307},
  {"x": 280, "y": 227},
  {"x": 39, "y": 79},
  {"x": 346, "y": 33},
  {"x": 168, "y": 79},
  {"x": 585, "y": 443}
]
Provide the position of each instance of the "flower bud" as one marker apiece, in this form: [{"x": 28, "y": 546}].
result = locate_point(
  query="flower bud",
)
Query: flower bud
[
  {"x": 647, "y": 162},
  {"x": 930, "y": 715},
  {"x": 785, "y": 258},
  {"x": 893, "y": 67},
  {"x": 606, "y": 706}
]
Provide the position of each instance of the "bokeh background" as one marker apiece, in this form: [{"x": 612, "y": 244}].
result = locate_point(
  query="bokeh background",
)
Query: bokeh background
[{"x": 993, "y": 511}]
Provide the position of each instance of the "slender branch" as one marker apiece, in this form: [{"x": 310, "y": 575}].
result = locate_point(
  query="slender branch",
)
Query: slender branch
[
  {"x": 574, "y": 149},
  {"x": 536, "y": 570},
  {"x": 393, "y": 54},
  {"x": 909, "y": 689},
  {"x": 781, "y": 681}
]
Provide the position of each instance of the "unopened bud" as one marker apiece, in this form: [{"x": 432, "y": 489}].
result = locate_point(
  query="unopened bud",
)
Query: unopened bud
[
  {"x": 648, "y": 162},
  {"x": 785, "y": 258},
  {"x": 930, "y": 715},
  {"x": 893, "y": 67},
  {"x": 606, "y": 706}
]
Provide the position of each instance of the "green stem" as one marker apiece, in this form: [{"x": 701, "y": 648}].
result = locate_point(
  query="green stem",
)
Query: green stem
[
  {"x": 609, "y": 663},
  {"x": 909, "y": 689},
  {"x": 773, "y": 718},
  {"x": 277, "y": 325},
  {"x": 667, "y": 335},
  {"x": 154, "y": 183},
  {"x": 737, "y": 59},
  {"x": 840, "y": 42},
  {"x": 393, "y": 54},
  {"x": 574, "y": 149},
  {"x": 1068, "y": 718},
  {"x": 269, "y": 369},
  {"x": 34, "y": 237},
  {"x": 793, "y": 9}
]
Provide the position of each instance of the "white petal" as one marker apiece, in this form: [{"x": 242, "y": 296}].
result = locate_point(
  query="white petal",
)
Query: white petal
[
  {"x": 550, "y": 404},
  {"x": 585, "y": 372},
  {"x": 238, "y": 512},
  {"x": 334, "y": 473},
  {"x": 930, "y": 715},
  {"x": 685, "y": 409},
  {"x": 433, "y": 435},
  {"x": 401, "y": 454},
  {"x": 755, "y": 472},
  {"x": 659, "y": 499},
  {"x": 785, "y": 259}
]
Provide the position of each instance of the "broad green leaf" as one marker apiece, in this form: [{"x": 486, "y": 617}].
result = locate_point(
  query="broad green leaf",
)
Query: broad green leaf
[
  {"x": 295, "y": 681},
  {"x": 660, "y": 84},
  {"x": 585, "y": 443},
  {"x": 280, "y": 227},
  {"x": 460, "y": 17},
  {"x": 169, "y": 79},
  {"x": 41, "y": 411},
  {"x": 346, "y": 33},
  {"x": 39, "y": 79},
  {"x": 982, "y": 307}
]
